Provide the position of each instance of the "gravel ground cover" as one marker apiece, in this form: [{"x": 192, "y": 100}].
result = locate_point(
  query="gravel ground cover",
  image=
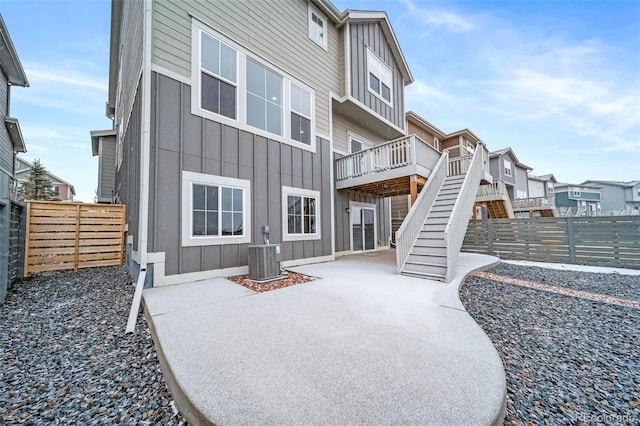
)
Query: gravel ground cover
[
  {"x": 64, "y": 357},
  {"x": 288, "y": 278},
  {"x": 567, "y": 360}
]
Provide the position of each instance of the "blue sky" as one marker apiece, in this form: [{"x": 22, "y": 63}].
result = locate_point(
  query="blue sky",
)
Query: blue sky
[{"x": 558, "y": 81}]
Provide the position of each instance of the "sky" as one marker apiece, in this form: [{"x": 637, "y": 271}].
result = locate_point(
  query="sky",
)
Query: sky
[{"x": 557, "y": 81}]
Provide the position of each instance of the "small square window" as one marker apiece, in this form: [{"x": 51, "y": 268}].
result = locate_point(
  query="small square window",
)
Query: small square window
[{"x": 317, "y": 27}]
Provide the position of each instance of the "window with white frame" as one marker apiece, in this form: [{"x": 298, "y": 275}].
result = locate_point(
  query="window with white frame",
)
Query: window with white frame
[
  {"x": 235, "y": 87},
  {"x": 301, "y": 213},
  {"x": 264, "y": 98},
  {"x": 380, "y": 77},
  {"x": 436, "y": 143},
  {"x": 218, "y": 76},
  {"x": 507, "y": 168},
  {"x": 301, "y": 100},
  {"x": 317, "y": 27},
  {"x": 215, "y": 210},
  {"x": 576, "y": 193},
  {"x": 550, "y": 187}
]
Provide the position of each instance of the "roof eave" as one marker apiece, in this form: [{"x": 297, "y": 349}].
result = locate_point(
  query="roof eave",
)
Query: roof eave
[
  {"x": 114, "y": 53},
  {"x": 426, "y": 123},
  {"x": 9, "y": 59},
  {"x": 95, "y": 139},
  {"x": 15, "y": 134}
]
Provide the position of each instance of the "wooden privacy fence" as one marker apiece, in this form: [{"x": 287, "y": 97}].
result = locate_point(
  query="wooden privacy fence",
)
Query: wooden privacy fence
[
  {"x": 598, "y": 241},
  {"x": 73, "y": 235}
]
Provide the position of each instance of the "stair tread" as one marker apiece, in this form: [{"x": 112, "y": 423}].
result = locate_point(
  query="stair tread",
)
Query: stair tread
[
  {"x": 438, "y": 277},
  {"x": 413, "y": 262}
]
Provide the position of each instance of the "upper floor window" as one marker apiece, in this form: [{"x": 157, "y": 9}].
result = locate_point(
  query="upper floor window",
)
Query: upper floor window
[
  {"x": 264, "y": 98},
  {"x": 436, "y": 143},
  {"x": 300, "y": 114},
  {"x": 380, "y": 77},
  {"x": 219, "y": 80},
  {"x": 550, "y": 187},
  {"x": 317, "y": 27},
  {"x": 507, "y": 168},
  {"x": 237, "y": 88},
  {"x": 576, "y": 193}
]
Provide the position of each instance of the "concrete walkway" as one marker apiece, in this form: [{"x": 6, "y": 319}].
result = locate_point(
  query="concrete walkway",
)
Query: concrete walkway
[{"x": 361, "y": 345}]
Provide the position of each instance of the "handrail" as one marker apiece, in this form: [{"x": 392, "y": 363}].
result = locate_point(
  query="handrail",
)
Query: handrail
[
  {"x": 493, "y": 189},
  {"x": 546, "y": 202},
  {"x": 410, "y": 228},
  {"x": 399, "y": 152},
  {"x": 457, "y": 225}
]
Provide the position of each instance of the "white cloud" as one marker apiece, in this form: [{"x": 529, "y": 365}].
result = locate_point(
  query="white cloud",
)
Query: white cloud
[
  {"x": 434, "y": 18},
  {"x": 66, "y": 77}
]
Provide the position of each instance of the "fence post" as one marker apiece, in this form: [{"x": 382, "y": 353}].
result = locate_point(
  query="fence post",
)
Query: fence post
[
  {"x": 571, "y": 240},
  {"x": 27, "y": 230},
  {"x": 77, "y": 248},
  {"x": 22, "y": 238},
  {"x": 491, "y": 235}
]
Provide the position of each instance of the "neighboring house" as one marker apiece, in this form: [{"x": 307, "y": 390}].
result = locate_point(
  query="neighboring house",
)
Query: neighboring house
[
  {"x": 63, "y": 190},
  {"x": 618, "y": 198},
  {"x": 103, "y": 144},
  {"x": 11, "y": 141},
  {"x": 578, "y": 200},
  {"x": 255, "y": 121},
  {"x": 510, "y": 183},
  {"x": 541, "y": 200}
]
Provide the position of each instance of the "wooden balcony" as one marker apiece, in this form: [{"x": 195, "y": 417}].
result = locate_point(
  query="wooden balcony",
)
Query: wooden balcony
[
  {"x": 496, "y": 198},
  {"x": 536, "y": 203},
  {"x": 388, "y": 169}
]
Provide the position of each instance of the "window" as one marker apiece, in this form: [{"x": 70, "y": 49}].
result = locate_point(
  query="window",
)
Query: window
[
  {"x": 300, "y": 114},
  {"x": 215, "y": 210},
  {"x": 56, "y": 190},
  {"x": 301, "y": 209},
  {"x": 436, "y": 143},
  {"x": 550, "y": 187},
  {"x": 317, "y": 27},
  {"x": 507, "y": 168},
  {"x": 218, "y": 85},
  {"x": 264, "y": 98},
  {"x": 576, "y": 193},
  {"x": 237, "y": 88},
  {"x": 380, "y": 77}
]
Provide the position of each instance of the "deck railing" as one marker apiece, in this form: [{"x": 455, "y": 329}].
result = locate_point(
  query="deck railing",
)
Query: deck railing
[
  {"x": 495, "y": 189},
  {"x": 410, "y": 228},
  {"x": 460, "y": 165},
  {"x": 390, "y": 155},
  {"x": 534, "y": 203}
]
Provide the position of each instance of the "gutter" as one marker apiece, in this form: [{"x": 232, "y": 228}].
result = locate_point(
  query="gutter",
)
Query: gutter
[{"x": 143, "y": 220}]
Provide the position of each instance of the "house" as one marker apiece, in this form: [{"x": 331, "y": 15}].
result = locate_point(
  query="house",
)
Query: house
[
  {"x": 11, "y": 141},
  {"x": 541, "y": 200},
  {"x": 510, "y": 183},
  {"x": 103, "y": 144},
  {"x": 618, "y": 198},
  {"x": 578, "y": 200},
  {"x": 283, "y": 122},
  {"x": 63, "y": 190}
]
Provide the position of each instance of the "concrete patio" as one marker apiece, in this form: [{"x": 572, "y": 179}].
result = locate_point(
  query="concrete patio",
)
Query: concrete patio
[{"x": 360, "y": 345}]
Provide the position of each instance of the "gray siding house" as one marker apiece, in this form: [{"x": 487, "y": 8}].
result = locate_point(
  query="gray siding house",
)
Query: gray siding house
[
  {"x": 231, "y": 117},
  {"x": 11, "y": 142},
  {"x": 618, "y": 198},
  {"x": 63, "y": 190},
  {"x": 578, "y": 200}
]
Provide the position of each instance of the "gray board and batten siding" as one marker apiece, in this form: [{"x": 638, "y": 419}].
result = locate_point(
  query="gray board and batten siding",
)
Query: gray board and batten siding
[
  {"x": 107, "y": 166},
  {"x": 284, "y": 25},
  {"x": 127, "y": 182},
  {"x": 369, "y": 34},
  {"x": 612, "y": 241},
  {"x": 182, "y": 141},
  {"x": 6, "y": 145}
]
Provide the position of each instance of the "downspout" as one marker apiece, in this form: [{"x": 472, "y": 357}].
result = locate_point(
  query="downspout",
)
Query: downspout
[{"x": 143, "y": 220}]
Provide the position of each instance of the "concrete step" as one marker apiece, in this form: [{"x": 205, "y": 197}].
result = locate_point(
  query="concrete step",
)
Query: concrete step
[{"x": 430, "y": 249}]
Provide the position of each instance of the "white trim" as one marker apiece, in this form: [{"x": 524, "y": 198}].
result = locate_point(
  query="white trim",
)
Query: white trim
[
  {"x": 343, "y": 253},
  {"x": 145, "y": 143},
  {"x": 339, "y": 151},
  {"x": 332, "y": 181},
  {"x": 309, "y": 260},
  {"x": 189, "y": 178},
  {"x": 347, "y": 62},
  {"x": 312, "y": 106},
  {"x": 324, "y": 43},
  {"x": 366, "y": 143},
  {"x": 299, "y": 192},
  {"x": 325, "y": 137},
  {"x": 240, "y": 122},
  {"x": 371, "y": 54},
  {"x": 371, "y": 112},
  {"x": 171, "y": 74},
  {"x": 203, "y": 275}
]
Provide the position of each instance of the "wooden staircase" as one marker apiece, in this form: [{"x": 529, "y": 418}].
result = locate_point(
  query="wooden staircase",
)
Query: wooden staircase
[
  {"x": 497, "y": 209},
  {"x": 428, "y": 256}
]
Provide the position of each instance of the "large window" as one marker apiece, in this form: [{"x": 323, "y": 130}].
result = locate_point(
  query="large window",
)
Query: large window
[
  {"x": 301, "y": 208},
  {"x": 264, "y": 98},
  {"x": 218, "y": 85},
  {"x": 317, "y": 27},
  {"x": 300, "y": 114},
  {"x": 215, "y": 210},
  {"x": 380, "y": 77},
  {"x": 237, "y": 88}
]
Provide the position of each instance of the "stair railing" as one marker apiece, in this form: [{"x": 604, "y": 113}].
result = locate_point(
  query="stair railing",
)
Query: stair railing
[
  {"x": 461, "y": 213},
  {"x": 410, "y": 228}
]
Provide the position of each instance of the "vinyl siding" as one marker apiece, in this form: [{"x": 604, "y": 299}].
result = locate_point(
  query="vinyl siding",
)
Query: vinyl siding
[
  {"x": 107, "y": 167},
  {"x": 181, "y": 141},
  {"x": 342, "y": 125},
  {"x": 131, "y": 39},
  {"x": 521, "y": 179},
  {"x": 275, "y": 31},
  {"x": 6, "y": 146},
  {"x": 413, "y": 129},
  {"x": 361, "y": 36},
  {"x": 128, "y": 176}
]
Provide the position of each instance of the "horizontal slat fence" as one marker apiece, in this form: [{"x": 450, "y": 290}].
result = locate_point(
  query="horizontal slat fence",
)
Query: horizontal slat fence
[
  {"x": 73, "y": 235},
  {"x": 599, "y": 241}
]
